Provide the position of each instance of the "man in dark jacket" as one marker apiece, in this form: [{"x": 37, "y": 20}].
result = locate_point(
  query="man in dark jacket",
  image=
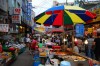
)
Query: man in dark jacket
[{"x": 97, "y": 47}]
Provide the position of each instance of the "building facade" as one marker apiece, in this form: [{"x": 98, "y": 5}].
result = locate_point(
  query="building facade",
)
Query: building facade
[
  {"x": 3, "y": 11},
  {"x": 18, "y": 13}
]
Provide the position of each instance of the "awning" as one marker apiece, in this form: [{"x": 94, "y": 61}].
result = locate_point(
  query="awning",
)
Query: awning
[{"x": 57, "y": 31}]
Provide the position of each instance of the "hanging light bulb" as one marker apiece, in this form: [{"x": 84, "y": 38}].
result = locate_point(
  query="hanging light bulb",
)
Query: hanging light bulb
[
  {"x": 16, "y": 26},
  {"x": 64, "y": 40},
  {"x": 75, "y": 39},
  {"x": 85, "y": 42},
  {"x": 21, "y": 27}
]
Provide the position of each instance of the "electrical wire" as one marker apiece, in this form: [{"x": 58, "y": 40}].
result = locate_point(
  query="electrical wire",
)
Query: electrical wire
[
  {"x": 45, "y": 5},
  {"x": 42, "y": 6},
  {"x": 42, "y": 3}
]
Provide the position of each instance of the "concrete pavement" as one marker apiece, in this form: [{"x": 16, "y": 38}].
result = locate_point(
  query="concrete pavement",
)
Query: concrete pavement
[{"x": 24, "y": 59}]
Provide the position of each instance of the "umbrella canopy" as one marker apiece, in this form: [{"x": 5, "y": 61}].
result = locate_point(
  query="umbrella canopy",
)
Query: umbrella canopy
[{"x": 64, "y": 15}]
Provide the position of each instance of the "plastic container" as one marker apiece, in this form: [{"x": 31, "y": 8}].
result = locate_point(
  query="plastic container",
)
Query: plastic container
[
  {"x": 55, "y": 64},
  {"x": 95, "y": 65},
  {"x": 36, "y": 63},
  {"x": 65, "y": 63}
]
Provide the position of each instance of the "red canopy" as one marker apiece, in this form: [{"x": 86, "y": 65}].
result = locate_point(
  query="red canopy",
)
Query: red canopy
[{"x": 57, "y": 31}]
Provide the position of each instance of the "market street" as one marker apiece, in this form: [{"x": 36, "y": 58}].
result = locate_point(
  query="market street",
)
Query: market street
[{"x": 49, "y": 32}]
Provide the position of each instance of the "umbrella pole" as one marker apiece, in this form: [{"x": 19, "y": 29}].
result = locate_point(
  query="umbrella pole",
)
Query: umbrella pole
[
  {"x": 73, "y": 38},
  {"x": 64, "y": 44},
  {"x": 64, "y": 41}
]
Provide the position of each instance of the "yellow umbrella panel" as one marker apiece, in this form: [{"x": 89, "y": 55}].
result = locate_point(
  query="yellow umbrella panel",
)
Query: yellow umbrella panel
[
  {"x": 43, "y": 19},
  {"x": 71, "y": 18}
]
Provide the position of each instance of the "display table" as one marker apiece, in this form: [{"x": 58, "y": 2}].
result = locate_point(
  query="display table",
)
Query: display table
[
  {"x": 75, "y": 58},
  {"x": 67, "y": 55}
]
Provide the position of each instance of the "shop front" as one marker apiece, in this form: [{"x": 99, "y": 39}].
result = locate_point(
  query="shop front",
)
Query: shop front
[{"x": 92, "y": 26}]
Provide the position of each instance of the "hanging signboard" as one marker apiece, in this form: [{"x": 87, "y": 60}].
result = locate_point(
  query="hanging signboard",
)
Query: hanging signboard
[
  {"x": 17, "y": 11},
  {"x": 4, "y": 27},
  {"x": 29, "y": 12},
  {"x": 28, "y": 18},
  {"x": 16, "y": 19},
  {"x": 29, "y": 7},
  {"x": 79, "y": 29}
]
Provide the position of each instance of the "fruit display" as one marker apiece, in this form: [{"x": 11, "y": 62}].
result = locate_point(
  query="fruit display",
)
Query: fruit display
[
  {"x": 6, "y": 55},
  {"x": 11, "y": 49}
]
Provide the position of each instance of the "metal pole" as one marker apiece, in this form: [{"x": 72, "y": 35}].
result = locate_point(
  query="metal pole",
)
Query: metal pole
[
  {"x": 66, "y": 2},
  {"x": 73, "y": 37}
]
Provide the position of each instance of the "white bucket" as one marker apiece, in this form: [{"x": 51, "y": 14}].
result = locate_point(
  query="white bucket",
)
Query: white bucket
[{"x": 65, "y": 63}]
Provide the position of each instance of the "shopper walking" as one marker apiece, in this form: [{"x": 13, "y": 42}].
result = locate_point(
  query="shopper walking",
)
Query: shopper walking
[
  {"x": 34, "y": 43},
  {"x": 97, "y": 47},
  {"x": 90, "y": 49},
  {"x": 28, "y": 41}
]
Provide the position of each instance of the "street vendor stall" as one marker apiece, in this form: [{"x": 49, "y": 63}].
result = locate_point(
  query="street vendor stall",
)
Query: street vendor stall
[
  {"x": 70, "y": 56},
  {"x": 9, "y": 53}
]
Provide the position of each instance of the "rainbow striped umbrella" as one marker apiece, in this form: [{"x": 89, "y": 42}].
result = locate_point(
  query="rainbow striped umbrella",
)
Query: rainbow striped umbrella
[{"x": 64, "y": 15}]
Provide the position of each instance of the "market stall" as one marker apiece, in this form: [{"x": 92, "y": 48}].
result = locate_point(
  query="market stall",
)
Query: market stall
[
  {"x": 9, "y": 53},
  {"x": 56, "y": 53}
]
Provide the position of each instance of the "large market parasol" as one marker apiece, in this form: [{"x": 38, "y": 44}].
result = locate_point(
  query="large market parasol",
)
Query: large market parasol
[{"x": 64, "y": 15}]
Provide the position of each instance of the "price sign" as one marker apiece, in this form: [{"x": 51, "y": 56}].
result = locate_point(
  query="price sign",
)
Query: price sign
[
  {"x": 79, "y": 29},
  {"x": 17, "y": 10},
  {"x": 16, "y": 18}
]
